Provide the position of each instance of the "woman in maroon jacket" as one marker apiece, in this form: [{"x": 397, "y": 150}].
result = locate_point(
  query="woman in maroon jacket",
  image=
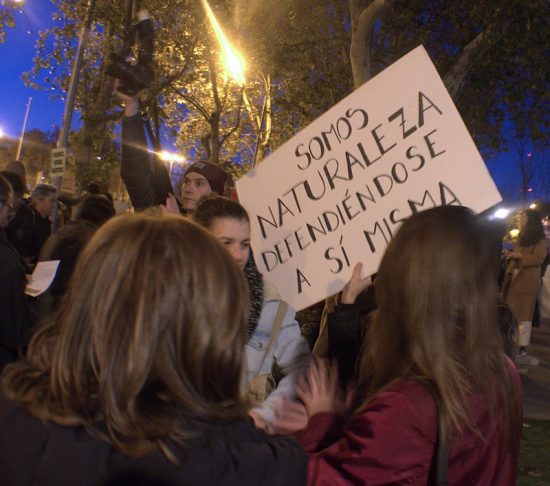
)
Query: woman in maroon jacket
[{"x": 432, "y": 361}]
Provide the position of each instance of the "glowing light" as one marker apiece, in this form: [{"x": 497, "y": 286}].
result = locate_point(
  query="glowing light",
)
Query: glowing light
[
  {"x": 501, "y": 213},
  {"x": 530, "y": 189},
  {"x": 533, "y": 206},
  {"x": 514, "y": 233},
  {"x": 1, "y": 133},
  {"x": 171, "y": 157},
  {"x": 232, "y": 59}
]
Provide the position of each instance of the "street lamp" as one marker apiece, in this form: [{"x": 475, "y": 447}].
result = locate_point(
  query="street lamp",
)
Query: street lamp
[
  {"x": 171, "y": 158},
  {"x": 501, "y": 213},
  {"x": 232, "y": 59}
]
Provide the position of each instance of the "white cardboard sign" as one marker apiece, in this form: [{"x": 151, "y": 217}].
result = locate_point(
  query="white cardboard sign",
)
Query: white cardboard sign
[{"x": 336, "y": 193}]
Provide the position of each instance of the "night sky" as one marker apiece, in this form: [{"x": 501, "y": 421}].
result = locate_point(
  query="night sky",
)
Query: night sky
[{"x": 16, "y": 56}]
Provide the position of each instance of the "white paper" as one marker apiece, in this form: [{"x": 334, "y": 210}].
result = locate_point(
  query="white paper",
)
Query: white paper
[
  {"x": 42, "y": 277},
  {"x": 336, "y": 193}
]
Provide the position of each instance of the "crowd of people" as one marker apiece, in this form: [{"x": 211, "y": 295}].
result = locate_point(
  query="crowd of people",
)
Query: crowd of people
[{"x": 161, "y": 355}]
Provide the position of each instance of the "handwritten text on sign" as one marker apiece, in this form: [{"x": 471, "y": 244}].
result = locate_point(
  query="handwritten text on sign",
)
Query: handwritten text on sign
[{"x": 336, "y": 193}]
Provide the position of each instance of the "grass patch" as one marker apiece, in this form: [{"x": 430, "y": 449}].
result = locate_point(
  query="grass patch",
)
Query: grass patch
[{"x": 534, "y": 457}]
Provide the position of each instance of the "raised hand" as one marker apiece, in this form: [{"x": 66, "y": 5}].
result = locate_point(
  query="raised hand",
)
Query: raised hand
[
  {"x": 355, "y": 286},
  {"x": 319, "y": 391},
  {"x": 131, "y": 102},
  {"x": 290, "y": 417},
  {"x": 171, "y": 205}
]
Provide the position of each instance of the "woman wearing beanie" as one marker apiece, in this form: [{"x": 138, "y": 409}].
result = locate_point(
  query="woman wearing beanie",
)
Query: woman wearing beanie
[{"x": 275, "y": 346}]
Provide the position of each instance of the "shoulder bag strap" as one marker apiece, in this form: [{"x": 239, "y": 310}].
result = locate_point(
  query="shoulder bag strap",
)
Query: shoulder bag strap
[
  {"x": 277, "y": 324},
  {"x": 440, "y": 463}
]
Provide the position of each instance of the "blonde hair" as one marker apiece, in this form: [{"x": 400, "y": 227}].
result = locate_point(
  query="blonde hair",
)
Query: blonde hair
[{"x": 150, "y": 338}]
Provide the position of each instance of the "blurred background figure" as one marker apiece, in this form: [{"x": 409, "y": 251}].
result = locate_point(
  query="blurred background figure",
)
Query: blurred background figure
[
  {"x": 19, "y": 230},
  {"x": 15, "y": 317},
  {"x": 67, "y": 243},
  {"x": 43, "y": 199},
  {"x": 523, "y": 279}
]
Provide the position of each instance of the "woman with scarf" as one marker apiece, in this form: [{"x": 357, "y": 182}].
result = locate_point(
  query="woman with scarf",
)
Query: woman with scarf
[{"x": 275, "y": 346}]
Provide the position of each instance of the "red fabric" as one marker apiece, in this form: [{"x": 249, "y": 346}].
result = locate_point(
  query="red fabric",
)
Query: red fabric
[{"x": 393, "y": 441}]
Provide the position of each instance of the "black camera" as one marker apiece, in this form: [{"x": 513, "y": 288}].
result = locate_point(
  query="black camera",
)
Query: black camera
[{"x": 138, "y": 76}]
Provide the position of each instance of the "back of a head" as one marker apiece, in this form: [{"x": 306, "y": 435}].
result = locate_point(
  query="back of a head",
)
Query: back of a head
[
  {"x": 533, "y": 230},
  {"x": 437, "y": 301},
  {"x": 42, "y": 191},
  {"x": 214, "y": 207},
  {"x": 15, "y": 181},
  {"x": 17, "y": 167},
  {"x": 94, "y": 208},
  {"x": 93, "y": 188},
  {"x": 6, "y": 191},
  {"x": 154, "y": 325}
]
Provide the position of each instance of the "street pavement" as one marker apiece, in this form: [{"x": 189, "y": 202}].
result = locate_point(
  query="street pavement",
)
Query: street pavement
[{"x": 536, "y": 380}]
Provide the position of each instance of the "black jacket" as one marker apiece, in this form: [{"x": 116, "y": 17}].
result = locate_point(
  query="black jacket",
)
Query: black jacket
[
  {"x": 15, "y": 316},
  {"x": 44, "y": 454},
  {"x": 145, "y": 177},
  {"x": 20, "y": 230},
  {"x": 41, "y": 231}
]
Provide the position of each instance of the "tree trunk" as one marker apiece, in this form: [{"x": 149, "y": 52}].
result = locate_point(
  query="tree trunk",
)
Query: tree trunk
[
  {"x": 215, "y": 116},
  {"x": 363, "y": 19},
  {"x": 455, "y": 77}
]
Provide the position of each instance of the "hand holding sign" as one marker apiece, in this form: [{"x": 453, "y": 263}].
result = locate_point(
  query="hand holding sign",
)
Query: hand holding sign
[{"x": 355, "y": 285}]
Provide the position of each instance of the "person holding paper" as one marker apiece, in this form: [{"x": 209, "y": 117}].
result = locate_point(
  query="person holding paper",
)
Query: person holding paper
[
  {"x": 140, "y": 373},
  {"x": 275, "y": 345},
  {"x": 432, "y": 371},
  {"x": 43, "y": 199},
  {"x": 67, "y": 243},
  {"x": 15, "y": 316}
]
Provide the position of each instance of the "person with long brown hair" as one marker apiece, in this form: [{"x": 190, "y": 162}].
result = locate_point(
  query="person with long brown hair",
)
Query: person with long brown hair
[
  {"x": 523, "y": 279},
  {"x": 140, "y": 370},
  {"x": 432, "y": 370}
]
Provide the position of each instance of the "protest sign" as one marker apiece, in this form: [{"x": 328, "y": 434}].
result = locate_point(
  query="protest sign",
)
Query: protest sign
[{"x": 336, "y": 193}]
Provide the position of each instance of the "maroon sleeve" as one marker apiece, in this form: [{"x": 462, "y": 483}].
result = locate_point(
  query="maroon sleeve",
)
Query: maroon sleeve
[
  {"x": 391, "y": 441},
  {"x": 322, "y": 430}
]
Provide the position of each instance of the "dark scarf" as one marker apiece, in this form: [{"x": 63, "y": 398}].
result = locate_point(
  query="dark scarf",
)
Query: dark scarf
[{"x": 256, "y": 288}]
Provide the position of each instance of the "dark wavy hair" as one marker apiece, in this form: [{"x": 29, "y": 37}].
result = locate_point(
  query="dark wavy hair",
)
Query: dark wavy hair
[
  {"x": 149, "y": 341},
  {"x": 533, "y": 231}
]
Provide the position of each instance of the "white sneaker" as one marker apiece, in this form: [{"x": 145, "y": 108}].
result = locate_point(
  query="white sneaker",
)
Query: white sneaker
[{"x": 525, "y": 359}]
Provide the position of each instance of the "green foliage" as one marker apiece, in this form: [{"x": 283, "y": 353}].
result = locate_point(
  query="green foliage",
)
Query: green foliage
[
  {"x": 509, "y": 73},
  {"x": 302, "y": 47},
  {"x": 6, "y": 20}
]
